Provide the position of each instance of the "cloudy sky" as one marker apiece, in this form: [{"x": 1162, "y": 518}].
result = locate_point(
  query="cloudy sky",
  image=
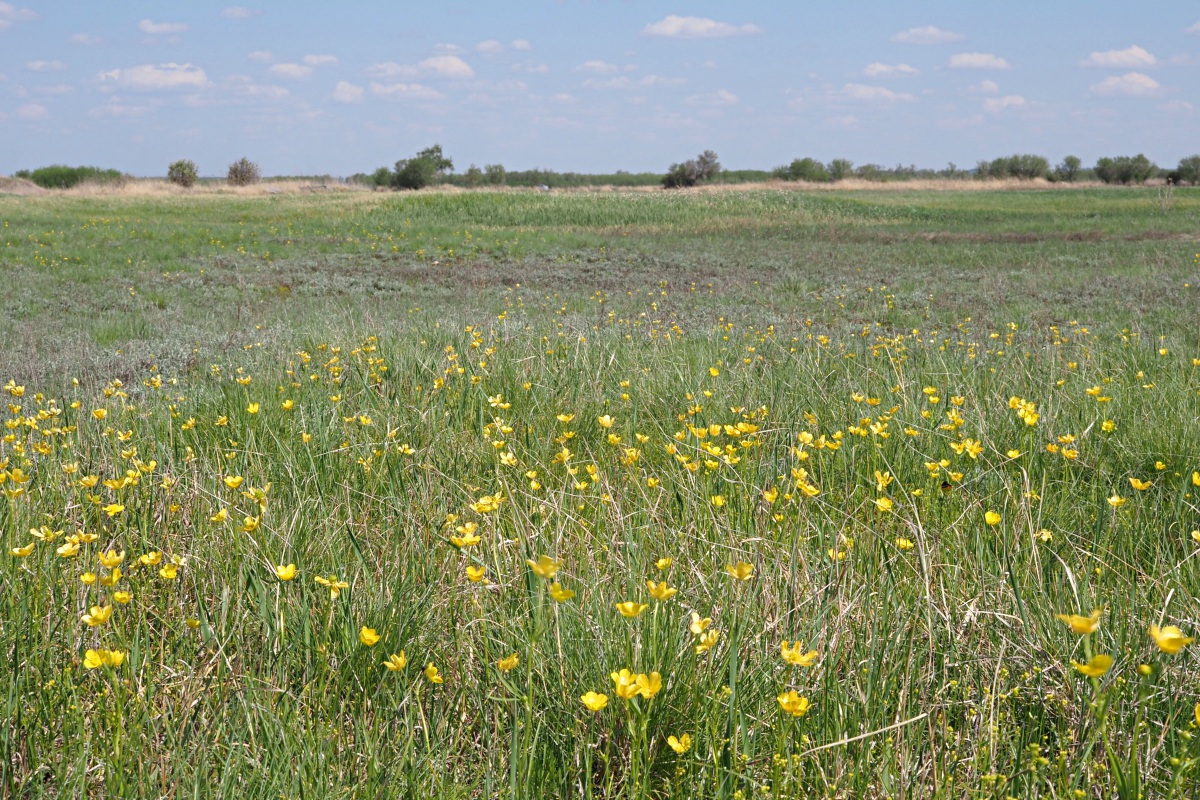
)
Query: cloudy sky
[{"x": 599, "y": 85}]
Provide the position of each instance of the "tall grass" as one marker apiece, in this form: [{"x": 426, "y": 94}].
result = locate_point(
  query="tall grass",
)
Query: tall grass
[{"x": 913, "y": 498}]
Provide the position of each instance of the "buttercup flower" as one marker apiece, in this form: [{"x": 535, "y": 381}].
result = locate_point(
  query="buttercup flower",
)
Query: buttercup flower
[
  {"x": 794, "y": 655},
  {"x": 1082, "y": 625},
  {"x": 1094, "y": 668},
  {"x": 793, "y": 703},
  {"x": 594, "y": 701},
  {"x": 1169, "y": 638},
  {"x": 396, "y": 661},
  {"x": 680, "y": 745}
]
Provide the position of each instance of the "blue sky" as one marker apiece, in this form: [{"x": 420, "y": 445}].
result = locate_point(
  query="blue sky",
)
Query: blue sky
[{"x": 308, "y": 88}]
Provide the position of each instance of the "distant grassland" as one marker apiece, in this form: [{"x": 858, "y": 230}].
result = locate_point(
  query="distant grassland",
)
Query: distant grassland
[
  {"x": 376, "y": 495},
  {"x": 163, "y": 275}
]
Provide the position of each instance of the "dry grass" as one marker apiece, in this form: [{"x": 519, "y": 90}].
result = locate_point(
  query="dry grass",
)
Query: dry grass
[
  {"x": 163, "y": 188},
  {"x": 19, "y": 186}
]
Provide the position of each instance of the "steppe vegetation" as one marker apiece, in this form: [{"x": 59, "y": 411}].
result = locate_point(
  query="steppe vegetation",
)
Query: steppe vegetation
[{"x": 678, "y": 494}]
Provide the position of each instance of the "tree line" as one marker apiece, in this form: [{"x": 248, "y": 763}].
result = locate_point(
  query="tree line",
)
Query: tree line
[{"x": 432, "y": 166}]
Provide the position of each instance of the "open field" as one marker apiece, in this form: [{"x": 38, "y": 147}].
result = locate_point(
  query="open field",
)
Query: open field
[{"x": 820, "y": 469}]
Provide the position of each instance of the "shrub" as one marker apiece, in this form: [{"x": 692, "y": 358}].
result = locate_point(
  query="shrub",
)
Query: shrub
[
  {"x": 243, "y": 172},
  {"x": 1125, "y": 169},
  {"x": 1068, "y": 170},
  {"x": 182, "y": 173},
  {"x": 496, "y": 174},
  {"x": 693, "y": 171},
  {"x": 60, "y": 176},
  {"x": 803, "y": 169},
  {"x": 1025, "y": 166},
  {"x": 473, "y": 176},
  {"x": 840, "y": 169},
  {"x": 1189, "y": 170},
  {"x": 422, "y": 169}
]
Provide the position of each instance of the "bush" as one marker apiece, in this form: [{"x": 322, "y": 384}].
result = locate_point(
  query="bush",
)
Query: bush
[
  {"x": 803, "y": 169},
  {"x": 60, "y": 176},
  {"x": 243, "y": 172},
  {"x": 182, "y": 173},
  {"x": 495, "y": 174},
  {"x": 421, "y": 170},
  {"x": 473, "y": 176},
  {"x": 1068, "y": 170},
  {"x": 1188, "y": 170},
  {"x": 693, "y": 171},
  {"x": 1024, "y": 166},
  {"x": 840, "y": 169},
  {"x": 1125, "y": 169}
]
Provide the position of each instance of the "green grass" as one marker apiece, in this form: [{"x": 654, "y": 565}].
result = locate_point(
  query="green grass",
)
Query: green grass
[{"x": 411, "y": 354}]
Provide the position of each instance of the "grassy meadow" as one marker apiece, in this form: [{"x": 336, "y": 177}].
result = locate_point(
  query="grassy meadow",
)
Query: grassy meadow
[{"x": 731, "y": 494}]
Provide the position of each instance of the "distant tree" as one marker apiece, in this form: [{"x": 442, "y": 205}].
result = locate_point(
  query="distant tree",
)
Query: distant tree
[
  {"x": 496, "y": 174},
  {"x": 422, "y": 169},
  {"x": 840, "y": 169},
  {"x": 693, "y": 171},
  {"x": 1023, "y": 165},
  {"x": 869, "y": 172},
  {"x": 243, "y": 172},
  {"x": 1068, "y": 170},
  {"x": 381, "y": 177},
  {"x": 182, "y": 173},
  {"x": 1189, "y": 170},
  {"x": 1125, "y": 169},
  {"x": 473, "y": 177},
  {"x": 803, "y": 169},
  {"x": 707, "y": 165}
]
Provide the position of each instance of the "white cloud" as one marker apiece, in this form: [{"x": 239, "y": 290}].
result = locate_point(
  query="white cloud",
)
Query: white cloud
[
  {"x": 596, "y": 67},
  {"x": 531, "y": 67},
  {"x": 159, "y": 28},
  {"x": 994, "y": 105},
  {"x": 489, "y": 46},
  {"x": 563, "y": 98},
  {"x": 320, "y": 61},
  {"x": 721, "y": 97},
  {"x": 1132, "y": 56},
  {"x": 116, "y": 108},
  {"x": 293, "y": 71},
  {"x": 977, "y": 61},
  {"x": 149, "y": 77},
  {"x": 625, "y": 82},
  {"x": 1131, "y": 83},
  {"x": 84, "y": 38},
  {"x": 877, "y": 70},
  {"x": 675, "y": 27},
  {"x": 31, "y": 112},
  {"x": 874, "y": 94},
  {"x": 984, "y": 87},
  {"x": 659, "y": 82},
  {"x": 927, "y": 35},
  {"x": 1194, "y": 30},
  {"x": 1177, "y": 107},
  {"x": 262, "y": 56},
  {"x": 843, "y": 121},
  {"x": 412, "y": 90},
  {"x": 264, "y": 91},
  {"x": 449, "y": 49},
  {"x": 10, "y": 14},
  {"x": 346, "y": 92},
  {"x": 521, "y": 44},
  {"x": 437, "y": 66},
  {"x": 45, "y": 66},
  {"x": 239, "y": 12}
]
